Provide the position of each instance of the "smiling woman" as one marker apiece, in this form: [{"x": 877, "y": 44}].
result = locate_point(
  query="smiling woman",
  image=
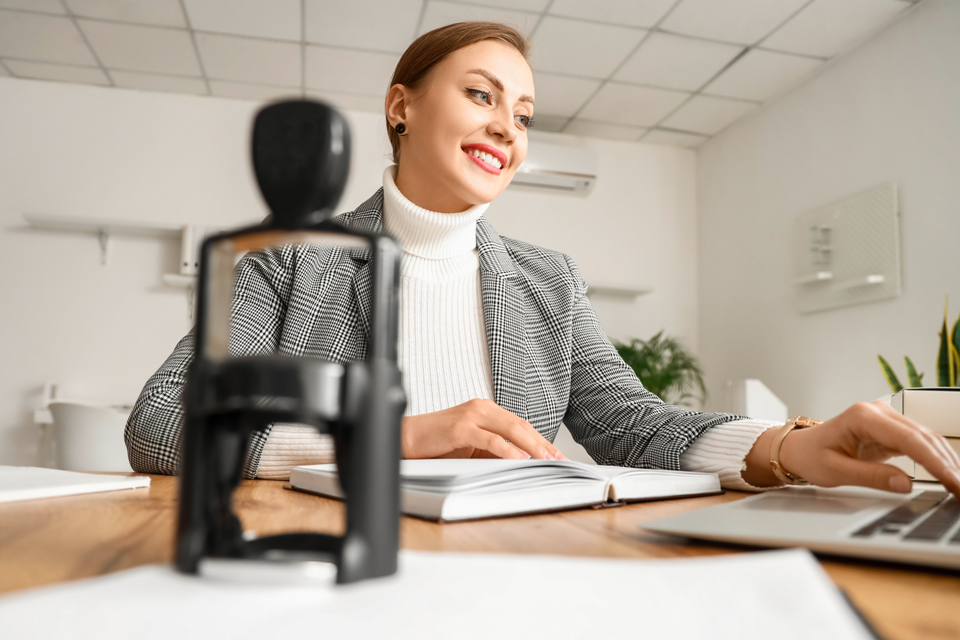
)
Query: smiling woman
[{"x": 498, "y": 343}]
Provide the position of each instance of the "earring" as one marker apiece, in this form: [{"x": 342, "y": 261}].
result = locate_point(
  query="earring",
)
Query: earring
[{"x": 400, "y": 128}]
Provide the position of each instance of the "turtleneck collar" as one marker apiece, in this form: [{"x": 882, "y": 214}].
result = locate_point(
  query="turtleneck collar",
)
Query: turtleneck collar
[{"x": 423, "y": 233}]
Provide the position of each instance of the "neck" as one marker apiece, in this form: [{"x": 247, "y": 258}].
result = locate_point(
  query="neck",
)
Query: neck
[
  {"x": 424, "y": 233},
  {"x": 426, "y": 194}
]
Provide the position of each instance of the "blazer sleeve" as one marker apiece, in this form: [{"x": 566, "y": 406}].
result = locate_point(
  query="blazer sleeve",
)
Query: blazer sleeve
[
  {"x": 610, "y": 413},
  {"x": 153, "y": 431}
]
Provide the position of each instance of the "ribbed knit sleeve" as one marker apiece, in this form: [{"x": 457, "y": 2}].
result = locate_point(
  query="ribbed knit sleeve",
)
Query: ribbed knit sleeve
[
  {"x": 723, "y": 450},
  {"x": 291, "y": 445}
]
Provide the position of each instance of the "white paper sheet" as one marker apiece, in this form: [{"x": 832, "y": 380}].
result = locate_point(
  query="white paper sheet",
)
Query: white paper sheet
[
  {"x": 447, "y": 595},
  {"x": 29, "y": 483}
]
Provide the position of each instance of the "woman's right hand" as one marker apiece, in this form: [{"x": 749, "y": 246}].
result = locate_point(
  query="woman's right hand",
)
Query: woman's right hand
[{"x": 475, "y": 429}]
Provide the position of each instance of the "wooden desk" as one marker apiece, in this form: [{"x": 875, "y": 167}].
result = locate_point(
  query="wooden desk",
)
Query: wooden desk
[{"x": 47, "y": 541}]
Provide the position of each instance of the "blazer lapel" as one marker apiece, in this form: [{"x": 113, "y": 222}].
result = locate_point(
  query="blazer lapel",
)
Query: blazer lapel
[
  {"x": 367, "y": 217},
  {"x": 503, "y": 313}
]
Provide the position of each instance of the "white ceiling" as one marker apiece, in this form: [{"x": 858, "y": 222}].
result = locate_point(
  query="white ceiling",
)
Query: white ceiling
[{"x": 662, "y": 71}]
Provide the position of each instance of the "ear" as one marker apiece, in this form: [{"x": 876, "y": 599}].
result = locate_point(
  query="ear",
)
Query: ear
[{"x": 395, "y": 106}]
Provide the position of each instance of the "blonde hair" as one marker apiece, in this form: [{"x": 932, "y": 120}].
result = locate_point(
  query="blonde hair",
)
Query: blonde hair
[{"x": 432, "y": 47}]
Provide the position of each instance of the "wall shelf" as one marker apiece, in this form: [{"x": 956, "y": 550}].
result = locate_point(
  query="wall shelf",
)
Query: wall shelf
[{"x": 621, "y": 293}]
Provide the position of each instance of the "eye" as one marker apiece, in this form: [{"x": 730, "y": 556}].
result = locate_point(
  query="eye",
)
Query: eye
[
  {"x": 480, "y": 94},
  {"x": 525, "y": 121}
]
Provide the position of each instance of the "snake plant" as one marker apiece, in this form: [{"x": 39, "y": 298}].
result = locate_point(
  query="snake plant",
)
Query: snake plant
[
  {"x": 665, "y": 368},
  {"x": 948, "y": 360}
]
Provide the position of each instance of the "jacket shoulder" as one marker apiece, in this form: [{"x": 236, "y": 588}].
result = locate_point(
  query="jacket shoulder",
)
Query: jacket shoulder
[{"x": 541, "y": 263}]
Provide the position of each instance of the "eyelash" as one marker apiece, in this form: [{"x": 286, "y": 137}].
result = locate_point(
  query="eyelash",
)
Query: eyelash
[{"x": 476, "y": 93}]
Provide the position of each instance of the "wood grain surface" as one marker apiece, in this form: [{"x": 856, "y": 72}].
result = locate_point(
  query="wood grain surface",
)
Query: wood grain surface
[{"x": 58, "y": 539}]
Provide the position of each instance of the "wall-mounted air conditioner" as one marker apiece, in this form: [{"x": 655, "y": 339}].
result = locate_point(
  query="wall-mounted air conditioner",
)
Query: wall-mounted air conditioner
[{"x": 558, "y": 168}]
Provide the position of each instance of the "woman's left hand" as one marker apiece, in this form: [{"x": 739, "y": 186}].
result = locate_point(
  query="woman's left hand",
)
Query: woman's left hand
[{"x": 851, "y": 448}]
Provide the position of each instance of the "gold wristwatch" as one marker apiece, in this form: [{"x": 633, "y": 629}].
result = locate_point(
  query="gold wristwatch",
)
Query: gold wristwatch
[{"x": 800, "y": 422}]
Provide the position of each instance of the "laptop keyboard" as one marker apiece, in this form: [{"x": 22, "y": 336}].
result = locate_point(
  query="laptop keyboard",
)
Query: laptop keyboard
[{"x": 946, "y": 513}]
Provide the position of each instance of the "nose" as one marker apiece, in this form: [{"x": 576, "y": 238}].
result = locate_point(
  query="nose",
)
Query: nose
[{"x": 501, "y": 124}]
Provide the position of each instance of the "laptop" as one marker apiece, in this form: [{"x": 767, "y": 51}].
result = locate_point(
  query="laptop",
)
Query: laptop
[{"x": 920, "y": 528}]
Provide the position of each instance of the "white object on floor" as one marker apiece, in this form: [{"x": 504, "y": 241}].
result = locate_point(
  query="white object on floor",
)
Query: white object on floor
[
  {"x": 444, "y": 595},
  {"x": 752, "y": 398},
  {"x": 89, "y": 437},
  {"x": 28, "y": 483}
]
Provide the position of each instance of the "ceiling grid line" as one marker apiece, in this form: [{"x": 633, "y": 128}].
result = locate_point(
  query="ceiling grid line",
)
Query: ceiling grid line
[
  {"x": 86, "y": 41},
  {"x": 613, "y": 73},
  {"x": 699, "y": 91},
  {"x": 540, "y": 18},
  {"x": 196, "y": 48}
]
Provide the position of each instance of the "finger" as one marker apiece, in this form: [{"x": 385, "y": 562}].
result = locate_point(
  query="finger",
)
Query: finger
[
  {"x": 489, "y": 441},
  {"x": 520, "y": 433},
  {"x": 891, "y": 432},
  {"x": 876, "y": 475}
]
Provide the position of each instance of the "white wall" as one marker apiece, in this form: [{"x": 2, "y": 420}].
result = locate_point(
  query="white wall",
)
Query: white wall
[
  {"x": 99, "y": 332},
  {"x": 888, "y": 111}
]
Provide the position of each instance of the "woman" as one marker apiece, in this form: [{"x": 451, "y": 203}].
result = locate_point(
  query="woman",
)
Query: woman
[{"x": 498, "y": 342}]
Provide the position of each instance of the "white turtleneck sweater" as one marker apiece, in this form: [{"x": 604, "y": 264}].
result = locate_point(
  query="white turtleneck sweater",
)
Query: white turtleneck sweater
[{"x": 442, "y": 348}]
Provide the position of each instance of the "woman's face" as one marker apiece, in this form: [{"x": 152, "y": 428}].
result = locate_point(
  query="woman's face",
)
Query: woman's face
[{"x": 476, "y": 102}]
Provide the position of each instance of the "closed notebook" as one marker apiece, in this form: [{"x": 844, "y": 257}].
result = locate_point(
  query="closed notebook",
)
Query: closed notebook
[{"x": 465, "y": 489}]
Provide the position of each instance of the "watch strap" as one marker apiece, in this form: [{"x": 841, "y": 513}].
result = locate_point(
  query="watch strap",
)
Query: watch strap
[{"x": 800, "y": 422}]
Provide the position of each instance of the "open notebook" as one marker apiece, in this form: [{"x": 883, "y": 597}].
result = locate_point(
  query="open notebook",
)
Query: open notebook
[{"x": 465, "y": 489}]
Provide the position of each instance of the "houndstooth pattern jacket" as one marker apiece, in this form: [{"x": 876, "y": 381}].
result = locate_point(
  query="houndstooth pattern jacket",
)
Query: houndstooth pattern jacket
[{"x": 551, "y": 361}]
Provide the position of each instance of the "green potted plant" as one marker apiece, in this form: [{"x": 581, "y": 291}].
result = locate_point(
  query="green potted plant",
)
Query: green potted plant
[
  {"x": 665, "y": 368},
  {"x": 948, "y": 361}
]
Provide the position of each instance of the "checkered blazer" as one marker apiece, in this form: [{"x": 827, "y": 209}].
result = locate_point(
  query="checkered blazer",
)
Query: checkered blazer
[{"x": 551, "y": 361}]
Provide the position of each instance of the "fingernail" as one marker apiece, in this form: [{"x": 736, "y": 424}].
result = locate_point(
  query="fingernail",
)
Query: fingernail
[{"x": 901, "y": 484}]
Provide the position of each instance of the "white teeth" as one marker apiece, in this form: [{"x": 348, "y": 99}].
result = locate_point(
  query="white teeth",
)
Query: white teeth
[{"x": 486, "y": 157}]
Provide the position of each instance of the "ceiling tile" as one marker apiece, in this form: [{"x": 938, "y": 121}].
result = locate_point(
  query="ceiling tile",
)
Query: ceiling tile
[
  {"x": 59, "y": 72},
  {"x": 561, "y": 95},
  {"x": 630, "y": 13},
  {"x": 439, "y": 14},
  {"x": 345, "y": 71},
  {"x": 740, "y": 21},
  {"x": 546, "y": 122},
  {"x": 603, "y": 130},
  {"x": 524, "y": 5},
  {"x": 350, "y": 102},
  {"x": 247, "y": 60},
  {"x": 42, "y": 6},
  {"x": 382, "y": 25},
  {"x": 154, "y": 82},
  {"x": 581, "y": 48},
  {"x": 827, "y": 27},
  {"x": 628, "y": 104},
  {"x": 46, "y": 38},
  {"x": 165, "y": 13},
  {"x": 135, "y": 48},
  {"x": 676, "y": 62},
  {"x": 277, "y": 19},
  {"x": 673, "y": 138},
  {"x": 760, "y": 75},
  {"x": 244, "y": 91},
  {"x": 707, "y": 115}
]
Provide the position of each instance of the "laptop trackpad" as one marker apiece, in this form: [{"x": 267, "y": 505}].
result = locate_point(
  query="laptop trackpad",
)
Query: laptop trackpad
[{"x": 807, "y": 501}]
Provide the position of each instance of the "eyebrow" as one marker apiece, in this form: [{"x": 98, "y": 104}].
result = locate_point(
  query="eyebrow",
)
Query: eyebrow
[{"x": 495, "y": 81}]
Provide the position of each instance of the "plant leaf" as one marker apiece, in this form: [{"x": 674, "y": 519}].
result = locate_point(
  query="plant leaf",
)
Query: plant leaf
[
  {"x": 665, "y": 368},
  {"x": 890, "y": 375},
  {"x": 956, "y": 344},
  {"x": 954, "y": 361},
  {"x": 944, "y": 364},
  {"x": 915, "y": 379}
]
